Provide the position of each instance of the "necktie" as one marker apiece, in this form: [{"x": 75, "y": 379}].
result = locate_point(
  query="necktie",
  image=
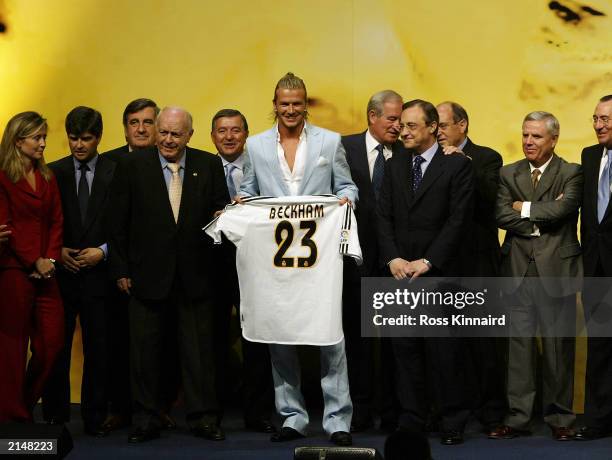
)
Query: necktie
[
  {"x": 417, "y": 175},
  {"x": 83, "y": 191},
  {"x": 229, "y": 178},
  {"x": 535, "y": 177},
  {"x": 603, "y": 191},
  {"x": 378, "y": 170},
  {"x": 175, "y": 190}
]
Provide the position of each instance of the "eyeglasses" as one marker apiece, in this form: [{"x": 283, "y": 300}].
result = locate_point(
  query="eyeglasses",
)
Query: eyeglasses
[
  {"x": 410, "y": 126},
  {"x": 443, "y": 126},
  {"x": 604, "y": 120}
]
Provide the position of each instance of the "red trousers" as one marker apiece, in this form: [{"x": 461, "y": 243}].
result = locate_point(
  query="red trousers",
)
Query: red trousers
[{"x": 30, "y": 311}]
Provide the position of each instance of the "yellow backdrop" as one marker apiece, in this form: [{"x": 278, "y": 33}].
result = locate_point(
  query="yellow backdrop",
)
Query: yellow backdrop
[{"x": 499, "y": 59}]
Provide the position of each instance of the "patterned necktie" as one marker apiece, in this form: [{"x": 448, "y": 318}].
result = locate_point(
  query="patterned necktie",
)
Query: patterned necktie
[
  {"x": 603, "y": 191},
  {"x": 175, "y": 190},
  {"x": 229, "y": 179},
  {"x": 417, "y": 174},
  {"x": 535, "y": 177},
  {"x": 378, "y": 171},
  {"x": 83, "y": 191}
]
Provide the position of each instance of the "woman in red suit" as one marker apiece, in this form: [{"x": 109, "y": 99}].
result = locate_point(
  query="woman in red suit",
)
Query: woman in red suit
[{"x": 30, "y": 304}]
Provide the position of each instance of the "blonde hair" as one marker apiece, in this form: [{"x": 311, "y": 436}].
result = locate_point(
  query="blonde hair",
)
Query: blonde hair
[{"x": 21, "y": 126}]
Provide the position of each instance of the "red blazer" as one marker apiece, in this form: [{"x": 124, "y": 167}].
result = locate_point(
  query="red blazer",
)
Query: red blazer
[{"x": 35, "y": 220}]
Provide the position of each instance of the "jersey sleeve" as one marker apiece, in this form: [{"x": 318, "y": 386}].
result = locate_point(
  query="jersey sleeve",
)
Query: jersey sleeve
[
  {"x": 349, "y": 239},
  {"x": 232, "y": 223}
]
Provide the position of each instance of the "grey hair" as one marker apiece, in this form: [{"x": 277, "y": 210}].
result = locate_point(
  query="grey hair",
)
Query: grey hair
[
  {"x": 552, "y": 124},
  {"x": 378, "y": 99}
]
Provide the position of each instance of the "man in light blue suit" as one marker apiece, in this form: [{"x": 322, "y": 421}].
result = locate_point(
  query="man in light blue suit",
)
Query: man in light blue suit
[{"x": 297, "y": 158}]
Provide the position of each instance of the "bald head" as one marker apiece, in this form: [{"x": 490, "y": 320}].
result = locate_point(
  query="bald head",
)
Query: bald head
[
  {"x": 174, "y": 130},
  {"x": 453, "y": 126}
]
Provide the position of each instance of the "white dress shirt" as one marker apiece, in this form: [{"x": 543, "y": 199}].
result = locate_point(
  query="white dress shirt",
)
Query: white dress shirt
[
  {"x": 371, "y": 145},
  {"x": 526, "y": 209},
  {"x": 293, "y": 178}
]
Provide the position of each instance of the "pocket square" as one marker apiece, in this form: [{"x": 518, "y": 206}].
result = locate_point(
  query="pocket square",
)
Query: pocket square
[{"x": 322, "y": 161}]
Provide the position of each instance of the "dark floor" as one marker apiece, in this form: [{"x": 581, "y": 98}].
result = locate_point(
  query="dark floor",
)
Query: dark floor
[{"x": 243, "y": 445}]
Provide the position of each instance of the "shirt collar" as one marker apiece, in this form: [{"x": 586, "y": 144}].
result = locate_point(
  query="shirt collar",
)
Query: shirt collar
[
  {"x": 430, "y": 152},
  {"x": 371, "y": 142},
  {"x": 91, "y": 163},
  {"x": 238, "y": 162},
  {"x": 304, "y": 132},
  {"x": 543, "y": 167},
  {"x": 164, "y": 162},
  {"x": 462, "y": 145}
]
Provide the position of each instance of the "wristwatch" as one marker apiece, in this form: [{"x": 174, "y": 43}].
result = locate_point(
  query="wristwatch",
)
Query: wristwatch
[{"x": 428, "y": 263}]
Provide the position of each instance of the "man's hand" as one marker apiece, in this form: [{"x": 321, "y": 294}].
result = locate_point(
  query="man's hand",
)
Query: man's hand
[
  {"x": 450, "y": 149},
  {"x": 4, "y": 234},
  {"x": 517, "y": 206},
  {"x": 344, "y": 201},
  {"x": 218, "y": 213},
  {"x": 124, "y": 285},
  {"x": 418, "y": 268},
  {"x": 238, "y": 199},
  {"x": 400, "y": 268},
  {"x": 44, "y": 267},
  {"x": 68, "y": 261},
  {"x": 89, "y": 257}
]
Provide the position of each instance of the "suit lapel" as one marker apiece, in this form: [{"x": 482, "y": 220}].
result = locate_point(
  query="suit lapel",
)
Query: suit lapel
[
  {"x": 102, "y": 178},
  {"x": 191, "y": 182},
  {"x": 360, "y": 162},
  {"x": 468, "y": 149},
  {"x": 71, "y": 200},
  {"x": 522, "y": 178},
  {"x": 153, "y": 176},
  {"x": 314, "y": 143},
  {"x": 591, "y": 175},
  {"x": 547, "y": 178},
  {"x": 405, "y": 173},
  {"x": 431, "y": 174},
  {"x": 269, "y": 150}
]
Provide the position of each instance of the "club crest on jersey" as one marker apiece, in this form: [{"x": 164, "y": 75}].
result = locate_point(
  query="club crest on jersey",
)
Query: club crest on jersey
[{"x": 344, "y": 236}]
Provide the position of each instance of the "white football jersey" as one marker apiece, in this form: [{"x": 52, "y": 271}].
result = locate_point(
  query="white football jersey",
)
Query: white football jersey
[{"x": 289, "y": 256}]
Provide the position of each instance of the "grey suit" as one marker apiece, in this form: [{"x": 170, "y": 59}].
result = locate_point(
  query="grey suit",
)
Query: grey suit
[{"x": 538, "y": 301}]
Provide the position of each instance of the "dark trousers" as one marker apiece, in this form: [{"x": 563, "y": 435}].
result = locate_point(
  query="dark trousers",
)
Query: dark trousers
[
  {"x": 598, "y": 391},
  {"x": 363, "y": 354},
  {"x": 486, "y": 362},
  {"x": 91, "y": 311},
  {"x": 117, "y": 318},
  {"x": 152, "y": 325},
  {"x": 30, "y": 311},
  {"x": 431, "y": 371},
  {"x": 257, "y": 386}
]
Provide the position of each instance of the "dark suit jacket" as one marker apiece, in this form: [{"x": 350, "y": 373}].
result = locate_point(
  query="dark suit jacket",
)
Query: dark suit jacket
[
  {"x": 94, "y": 232},
  {"x": 146, "y": 244},
  {"x": 596, "y": 237},
  {"x": 365, "y": 212},
  {"x": 117, "y": 154},
  {"x": 556, "y": 251},
  {"x": 482, "y": 254},
  {"x": 432, "y": 223}
]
